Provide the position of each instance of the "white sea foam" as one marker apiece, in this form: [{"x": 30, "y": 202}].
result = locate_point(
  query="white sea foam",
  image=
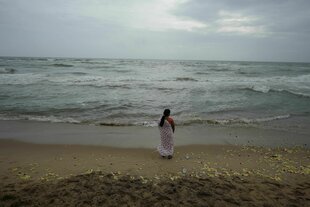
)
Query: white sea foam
[
  {"x": 234, "y": 120},
  {"x": 21, "y": 79},
  {"x": 7, "y": 70},
  {"x": 261, "y": 88},
  {"x": 266, "y": 89},
  {"x": 266, "y": 119},
  {"x": 52, "y": 119},
  {"x": 148, "y": 123},
  {"x": 77, "y": 80}
]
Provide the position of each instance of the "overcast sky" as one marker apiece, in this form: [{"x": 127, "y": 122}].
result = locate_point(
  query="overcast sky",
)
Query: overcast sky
[{"x": 257, "y": 30}]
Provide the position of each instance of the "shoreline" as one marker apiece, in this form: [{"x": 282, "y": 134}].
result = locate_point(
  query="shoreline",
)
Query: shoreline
[{"x": 147, "y": 137}]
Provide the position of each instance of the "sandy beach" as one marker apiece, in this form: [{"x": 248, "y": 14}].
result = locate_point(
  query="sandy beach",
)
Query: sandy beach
[
  {"x": 198, "y": 175},
  {"x": 154, "y": 103}
]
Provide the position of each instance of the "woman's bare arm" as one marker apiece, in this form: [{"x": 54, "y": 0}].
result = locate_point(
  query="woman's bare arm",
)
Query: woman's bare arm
[{"x": 173, "y": 126}]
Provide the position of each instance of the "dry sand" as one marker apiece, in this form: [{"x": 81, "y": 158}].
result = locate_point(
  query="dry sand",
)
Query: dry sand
[{"x": 198, "y": 175}]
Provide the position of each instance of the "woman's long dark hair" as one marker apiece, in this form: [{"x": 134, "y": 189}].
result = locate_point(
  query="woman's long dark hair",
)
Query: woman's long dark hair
[{"x": 166, "y": 114}]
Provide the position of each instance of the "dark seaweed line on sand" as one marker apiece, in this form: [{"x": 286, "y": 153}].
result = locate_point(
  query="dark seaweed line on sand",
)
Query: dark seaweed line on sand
[{"x": 98, "y": 189}]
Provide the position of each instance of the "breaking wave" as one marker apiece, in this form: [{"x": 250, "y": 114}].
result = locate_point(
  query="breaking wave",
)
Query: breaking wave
[
  {"x": 202, "y": 73},
  {"x": 51, "y": 119},
  {"x": 242, "y": 121},
  {"x": 186, "y": 79},
  {"x": 265, "y": 89},
  {"x": 7, "y": 70},
  {"x": 61, "y": 65},
  {"x": 79, "y": 73},
  {"x": 119, "y": 124}
]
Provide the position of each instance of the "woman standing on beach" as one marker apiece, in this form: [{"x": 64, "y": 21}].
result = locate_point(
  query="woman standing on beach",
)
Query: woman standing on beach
[{"x": 166, "y": 129}]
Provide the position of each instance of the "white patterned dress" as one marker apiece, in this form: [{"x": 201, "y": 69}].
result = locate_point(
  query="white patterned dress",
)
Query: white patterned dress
[{"x": 166, "y": 139}]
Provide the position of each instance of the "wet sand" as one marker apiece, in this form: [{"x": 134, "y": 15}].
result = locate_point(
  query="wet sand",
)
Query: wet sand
[
  {"x": 147, "y": 137},
  {"x": 198, "y": 175}
]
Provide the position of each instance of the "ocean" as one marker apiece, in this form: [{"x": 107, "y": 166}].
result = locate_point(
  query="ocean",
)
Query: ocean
[{"x": 132, "y": 92}]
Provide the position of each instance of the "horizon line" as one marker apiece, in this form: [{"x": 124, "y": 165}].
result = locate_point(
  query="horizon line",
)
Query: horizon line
[{"x": 130, "y": 58}]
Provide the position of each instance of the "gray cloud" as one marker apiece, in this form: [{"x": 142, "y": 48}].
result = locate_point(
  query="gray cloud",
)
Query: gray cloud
[
  {"x": 262, "y": 30},
  {"x": 283, "y": 16}
]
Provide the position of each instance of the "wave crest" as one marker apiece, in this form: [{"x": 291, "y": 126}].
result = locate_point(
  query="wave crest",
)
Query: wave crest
[
  {"x": 52, "y": 119},
  {"x": 7, "y": 70},
  {"x": 242, "y": 121},
  {"x": 61, "y": 65},
  {"x": 119, "y": 124},
  {"x": 266, "y": 89},
  {"x": 149, "y": 123},
  {"x": 186, "y": 79}
]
